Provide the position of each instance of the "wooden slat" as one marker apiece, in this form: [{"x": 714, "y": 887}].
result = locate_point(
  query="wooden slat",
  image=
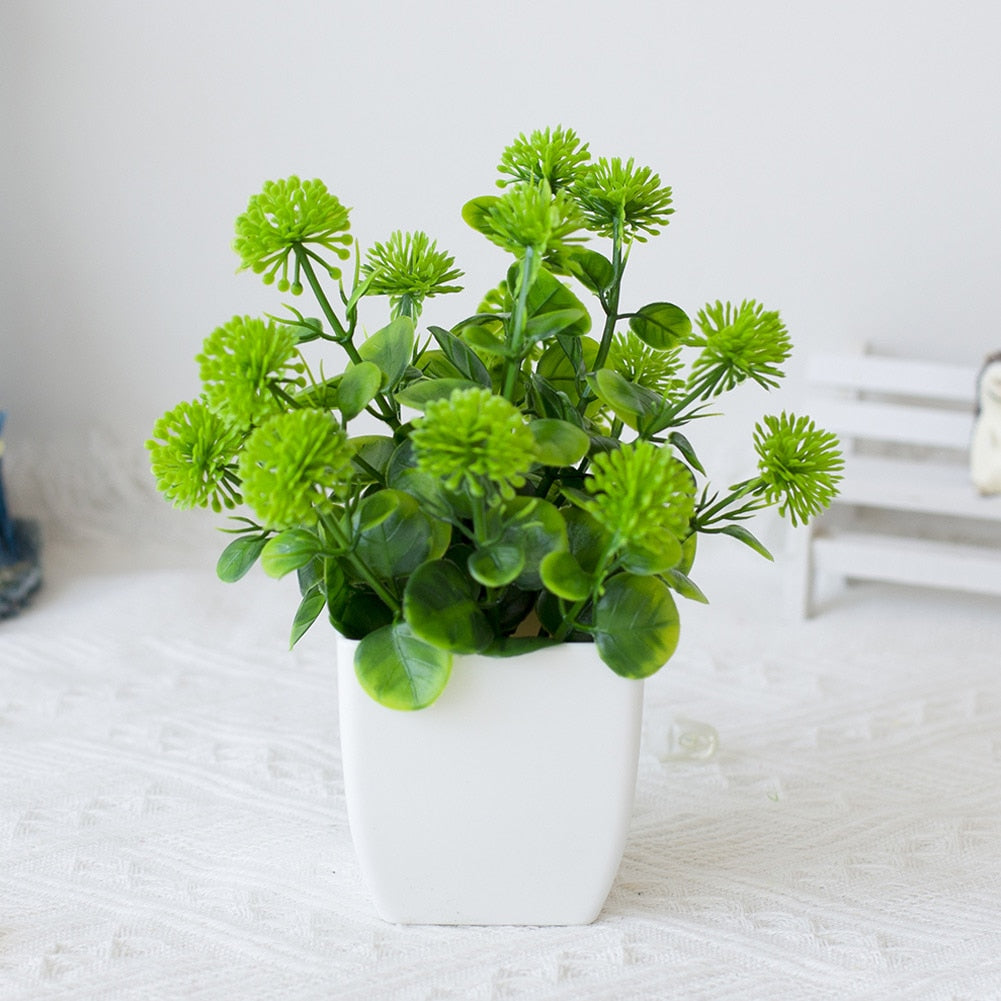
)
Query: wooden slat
[
  {"x": 924, "y": 487},
  {"x": 895, "y": 377},
  {"x": 893, "y": 422},
  {"x": 868, "y": 556}
]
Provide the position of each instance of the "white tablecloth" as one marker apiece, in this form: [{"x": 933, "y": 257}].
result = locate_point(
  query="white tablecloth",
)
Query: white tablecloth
[{"x": 172, "y": 824}]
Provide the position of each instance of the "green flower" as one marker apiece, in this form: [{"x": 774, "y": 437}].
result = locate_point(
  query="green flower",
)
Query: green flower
[
  {"x": 292, "y": 466},
  {"x": 737, "y": 344},
  {"x": 554, "y": 156},
  {"x": 242, "y": 362},
  {"x": 192, "y": 452},
  {"x": 799, "y": 465},
  {"x": 288, "y": 214},
  {"x": 621, "y": 196},
  {"x": 640, "y": 494},
  {"x": 530, "y": 216},
  {"x": 410, "y": 267},
  {"x": 473, "y": 441},
  {"x": 643, "y": 365}
]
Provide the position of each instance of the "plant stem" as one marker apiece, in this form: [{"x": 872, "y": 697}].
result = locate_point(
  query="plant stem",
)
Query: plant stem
[
  {"x": 516, "y": 329},
  {"x": 344, "y": 543},
  {"x": 387, "y": 412}
]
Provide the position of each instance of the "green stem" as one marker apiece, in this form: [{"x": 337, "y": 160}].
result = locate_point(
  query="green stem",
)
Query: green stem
[
  {"x": 570, "y": 619},
  {"x": 340, "y": 334},
  {"x": 516, "y": 328},
  {"x": 612, "y": 308},
  {"x": 344, "y": 544},
  {"x": 387, "y": 411}
]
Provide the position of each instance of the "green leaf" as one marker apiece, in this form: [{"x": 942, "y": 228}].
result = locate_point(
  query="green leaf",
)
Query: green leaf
[
  {"x": 239, "y": 556},
  {"x": 593, "y": 270},
  {"x": 554, "y": 403},
  {"x": 652, "y": 560},
  {"x": 497, "y": 565},
  {"x": 393, "y": 534},
  {"x": 534, "y": 525},
  {"x": 462, "y": 356},
  {"x": 375, "y": 450},
  {"x": 557, "y": 321},
  {"x": 307, "y": 613},
  {"x": 641, "y": 408},
  {"x": 288, "y": 551},
  {"x": 558, "y": 443},
  {"x": 399, "y": 670},
  {"x": 439, "y": 603},
  {"x": 741, "y": 533},
  {"x": 685, "y": 586},
  {"x": 358, "y": 388},
  {"x": 476, "y": 213},
  {"x": 549, "y": 295},
  {"x": 684, "y": 446},
  {"x": 391, "y": 349},
  {"x": 353, "y": 611},
  {"x": 587, "y": 538},
  {"x": 636, "y": 625},
  {"x": 563, "y": 575},
  {"x": 661, "y": 325},
  {"x": 481, "y": 339},
  {"x": 419, "y": 394}
]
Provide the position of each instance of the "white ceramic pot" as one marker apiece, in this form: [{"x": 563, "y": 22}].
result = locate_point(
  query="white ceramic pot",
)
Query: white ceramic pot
[{"x": 507, "y": 801}]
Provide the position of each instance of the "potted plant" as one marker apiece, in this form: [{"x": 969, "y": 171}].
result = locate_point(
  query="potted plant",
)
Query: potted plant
[{"x": 516, "y": 535}]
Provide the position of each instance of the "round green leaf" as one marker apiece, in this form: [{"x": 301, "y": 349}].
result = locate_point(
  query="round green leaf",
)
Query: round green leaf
[
  {"x": 636, "y": 625},
  {"x": 496, "y": 565},
  {"x": 439, "y": 603},
  {"x": 656, "y": 559},
  {"x": 394, "y": 535},
  {"x": 537, "y": 528},
  {"x": 662, "y": 325},
  {"x": 563, "y": 575},
  {"x": 399, "y": 670},
  {"x": 558, "y": 443}
]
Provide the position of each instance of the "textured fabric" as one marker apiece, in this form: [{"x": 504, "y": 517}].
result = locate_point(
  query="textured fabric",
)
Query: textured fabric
[{"x": 172, "y": 823}]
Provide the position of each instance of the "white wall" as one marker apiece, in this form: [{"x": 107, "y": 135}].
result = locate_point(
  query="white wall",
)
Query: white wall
[{"x": 838, "y": 161}]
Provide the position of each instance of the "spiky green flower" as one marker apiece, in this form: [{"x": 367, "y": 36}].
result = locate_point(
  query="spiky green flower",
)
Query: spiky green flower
[
  {"x": 621, "y": 196},
  {"x": 799, "y": 465},
  {"x": 293, "y": 465},
  {"x": 641, "y": 364},
  {"x": 287, "y": 214},
  {"x": 475, "y": 442},
  {"x": 193, "y": 457},
  {"x": 242, "y": 362},
  {"x": 641, "y": 494},
  {"x": 529, "y": 215},
  {"x": 748, "y": 342},
  {"x": 410, "y": 267},
  {"x": 551, "y": 155}
]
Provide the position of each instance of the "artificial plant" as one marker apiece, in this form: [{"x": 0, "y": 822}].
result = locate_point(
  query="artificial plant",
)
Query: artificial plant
[{"x": 533, "y": 481}]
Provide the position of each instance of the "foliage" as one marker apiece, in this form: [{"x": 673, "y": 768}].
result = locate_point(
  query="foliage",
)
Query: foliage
[{"x": 532, "y": 484}]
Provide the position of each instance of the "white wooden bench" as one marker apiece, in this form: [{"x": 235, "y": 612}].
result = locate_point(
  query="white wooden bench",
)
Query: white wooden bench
[{"x": 907, "y": 511}]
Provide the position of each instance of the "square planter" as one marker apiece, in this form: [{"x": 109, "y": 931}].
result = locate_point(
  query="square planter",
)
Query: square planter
[{"x": 507, "y": 801}]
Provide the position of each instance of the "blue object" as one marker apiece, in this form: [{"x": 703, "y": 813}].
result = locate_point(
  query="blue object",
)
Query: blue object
[{"x": 20, "y": 565}]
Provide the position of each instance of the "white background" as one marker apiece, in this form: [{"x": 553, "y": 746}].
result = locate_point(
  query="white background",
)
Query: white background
[{"x": 837, "y": 161}]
